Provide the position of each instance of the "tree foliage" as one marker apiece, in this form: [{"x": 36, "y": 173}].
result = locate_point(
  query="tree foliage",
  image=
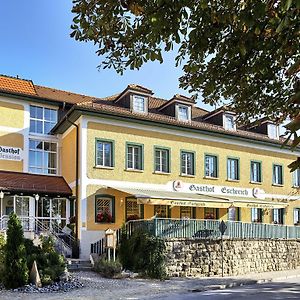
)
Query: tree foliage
[
  {"x": 246, "y": 52},
  {"x": 16, "y": 271}
]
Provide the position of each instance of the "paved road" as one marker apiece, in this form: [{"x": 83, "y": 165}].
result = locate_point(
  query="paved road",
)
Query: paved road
[{"x": 284, "y": 289}]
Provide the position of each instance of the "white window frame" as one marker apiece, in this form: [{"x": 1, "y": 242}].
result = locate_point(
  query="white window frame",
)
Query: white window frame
[
  {"x": 136, "y": 108},
  {"x": 111, "y": 154},
  {"x": 188, "y": 112},
  {"x": 230, "y": 168},
  {"x": 276, "y": 174},
  {"x": 273, "y": 128},
  {"x": 253, "y": 174},
  {"x": 160, "y": 168},
  {"x": 43, "y": 168},
  {"x": 225, "y": 124},
  {"x": 297, "y": 216},
  {"x": 296, "y": 178},
  {"x": 136, "y": 150},
  {"x": 214, "y": 165},
  {"x": 43, "y": 120},
  {"x": 185, "y": 168},
  {"x": 256, "y": 216}
]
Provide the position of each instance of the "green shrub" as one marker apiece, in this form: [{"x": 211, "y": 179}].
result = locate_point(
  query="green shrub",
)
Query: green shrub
[
  {"x": 108, "y": 269},
  {"x": 143, "y": 253},
  {"x": 16, "y": 270},
  {"x": 2, "y": 257}
]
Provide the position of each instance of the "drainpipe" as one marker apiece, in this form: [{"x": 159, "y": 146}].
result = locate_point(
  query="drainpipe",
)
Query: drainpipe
[{"x": 77, "y": 176}]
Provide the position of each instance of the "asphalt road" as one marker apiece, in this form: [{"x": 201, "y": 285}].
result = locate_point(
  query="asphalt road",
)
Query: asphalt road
[{"x": 284, "y": 289}]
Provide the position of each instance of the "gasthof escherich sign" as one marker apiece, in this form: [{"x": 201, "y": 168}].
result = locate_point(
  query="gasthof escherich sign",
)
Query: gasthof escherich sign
[{"x": 11, "y": 153}]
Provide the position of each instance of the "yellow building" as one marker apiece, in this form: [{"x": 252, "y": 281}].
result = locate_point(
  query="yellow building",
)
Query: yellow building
[{"x": 135, "y": 156}]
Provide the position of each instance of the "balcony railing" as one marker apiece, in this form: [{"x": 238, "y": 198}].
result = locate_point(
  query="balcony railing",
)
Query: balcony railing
[{"x": 192, "y": 228}]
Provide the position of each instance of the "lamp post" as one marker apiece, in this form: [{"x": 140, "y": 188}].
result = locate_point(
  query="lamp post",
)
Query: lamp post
[
  {"x": 37, "y": 198},
  {"x": 1, "y": 200}
]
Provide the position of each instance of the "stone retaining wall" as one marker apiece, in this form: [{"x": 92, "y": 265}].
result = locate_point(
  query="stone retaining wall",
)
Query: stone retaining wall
[{"x": 189, "y": 257}]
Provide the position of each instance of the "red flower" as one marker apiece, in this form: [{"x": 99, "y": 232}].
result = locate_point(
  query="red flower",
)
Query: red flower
[{"x": 104, "y": 217}]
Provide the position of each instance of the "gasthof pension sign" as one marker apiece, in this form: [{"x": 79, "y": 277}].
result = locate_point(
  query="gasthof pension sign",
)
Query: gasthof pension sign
[{"x": 11, "y": 153}]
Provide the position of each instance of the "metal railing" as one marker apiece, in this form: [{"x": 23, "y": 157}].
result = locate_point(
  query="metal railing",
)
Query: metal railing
[{"x": 195, "y": 228}]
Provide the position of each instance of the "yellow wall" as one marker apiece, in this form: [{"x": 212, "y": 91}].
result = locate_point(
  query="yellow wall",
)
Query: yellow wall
[
  {"x": 12, "y": 115},
  {"x": 11, "y": 140},
  {"x": 175, "y": 143}
]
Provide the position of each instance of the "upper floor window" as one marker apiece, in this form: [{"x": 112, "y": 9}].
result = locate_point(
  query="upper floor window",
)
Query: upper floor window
[
  {"x": 187, "y": 163},
  {"x": 229, "y": 122},
  {"x": 255, "y": 171},
  {"x": 273, "y": 131},
  {"x": 211, "y": 166},
  {"x": 104, "y": 153},
  {"x": 183, "y": 113},
  {"x": 42, "y": 157},
  {"x": 233, "y": 169},
  {"x": 42, "y": 119},
  {"x": 162, "y": 160},
  {"x": 296, "y": 178},
  {"x": 277, "y": 174},
  {"x": 134, "y": 157},
  {"x": 139, "y": 104}
]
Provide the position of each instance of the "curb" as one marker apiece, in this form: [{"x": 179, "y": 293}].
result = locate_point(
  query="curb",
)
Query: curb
[{"x": 241, "y": 283}]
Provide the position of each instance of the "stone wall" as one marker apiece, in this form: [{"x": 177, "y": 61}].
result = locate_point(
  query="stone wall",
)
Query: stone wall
[{"x": 189, "y": 257}]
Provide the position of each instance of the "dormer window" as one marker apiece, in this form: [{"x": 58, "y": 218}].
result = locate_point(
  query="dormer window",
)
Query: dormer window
[
  {"x": 139, "y": 104},
  {"x": 229, "y": 122},
  {"x": 273, "y": 131},
  {"x": 183, "y": 112}
]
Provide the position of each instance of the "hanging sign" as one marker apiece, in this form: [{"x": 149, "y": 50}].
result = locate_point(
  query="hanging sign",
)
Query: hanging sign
[{"x": 11, "y": 153}]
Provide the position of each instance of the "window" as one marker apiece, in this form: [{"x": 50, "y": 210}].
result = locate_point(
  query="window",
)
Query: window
[
  {"x": 134, "y": 211},
  {"x": 42, "y": 119},
  {"x": 229, "y": 122},
  {"x": 42, "y": 157},
  {"x": 234, "y": 214},
  {"x": 104, "y": 209},
  {"x": 134, "y": 157},
  {"x": 211, "y": 213},
  {"x": 255, "y": 171},
  {"x": 233, "y": 169},
  {"x": 162, "y": 211},
  {"x": 297, "y": 216},
  {"x": 187, "y": 163},
  {"x": 162, "y": 160},
  {"x": 183, "y": 113},
  {"x": 277, "y": 174},
  {"x": 273, "y": 131},
  {"x": 278, "y": 215},
  {"x": 187, "y": 212},
  {"x": 211, "y": 166},
  {"x": 104, "y": 153},
  {"x": 256, "y": 215},
  {"x": 139, "y": 104},
  {"x": 296, "y": 178}
]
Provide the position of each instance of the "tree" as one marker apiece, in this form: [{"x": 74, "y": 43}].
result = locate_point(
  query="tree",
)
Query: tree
[
  {"x": 16, "y": 271},
  {"x": 245, "y": 51}
]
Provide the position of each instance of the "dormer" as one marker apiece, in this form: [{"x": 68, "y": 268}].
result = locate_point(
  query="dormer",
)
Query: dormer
[
  {"x": 135, "y": 98},
  {"x": 178, "y": 106},
  {"x": 265, "y": 126},
  {"x": 222, "y": 117}
]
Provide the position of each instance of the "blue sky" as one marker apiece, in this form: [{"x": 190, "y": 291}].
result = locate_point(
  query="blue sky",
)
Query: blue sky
[{"x": 35, "y": 44}]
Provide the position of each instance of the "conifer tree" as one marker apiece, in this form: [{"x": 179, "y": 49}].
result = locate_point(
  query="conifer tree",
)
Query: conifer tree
[{"x": 16, "y": 271}]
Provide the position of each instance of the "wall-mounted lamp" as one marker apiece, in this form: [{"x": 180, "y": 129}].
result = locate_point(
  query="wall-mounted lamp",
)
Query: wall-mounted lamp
[
  {"x": 37, "y": 197},
  {"x": 1, "y": 195},
  {"x": 121, "y": 201}
]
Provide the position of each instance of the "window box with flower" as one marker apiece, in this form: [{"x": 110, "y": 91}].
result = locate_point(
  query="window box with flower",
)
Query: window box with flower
[{"x": 104, "y": 217}]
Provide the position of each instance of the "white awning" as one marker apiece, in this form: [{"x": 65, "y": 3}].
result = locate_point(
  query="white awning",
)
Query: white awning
[{"x": 155, "y": 197}]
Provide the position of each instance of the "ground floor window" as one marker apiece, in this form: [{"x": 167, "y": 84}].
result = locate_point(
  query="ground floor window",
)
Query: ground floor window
[
  {"x": 234, "y": 214},
  {"x": 256, "y": 215},
  {"x": 211, "y": 213},
  {"x": 162, "y": 211},
  {"x": 104, "y": 209},
  {"x": 187, "y": 212},
  {"x": 134, "y": 211},
  {"x": 278, "y": 215}
]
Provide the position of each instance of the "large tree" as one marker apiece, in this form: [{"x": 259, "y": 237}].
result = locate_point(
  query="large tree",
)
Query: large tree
[{"x": 246, "y": 52}]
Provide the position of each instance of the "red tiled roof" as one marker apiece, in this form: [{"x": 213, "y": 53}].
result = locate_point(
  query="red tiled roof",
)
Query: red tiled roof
[
  {"x": 33, "y": 183},
  {"x": 16, "y": 85}
]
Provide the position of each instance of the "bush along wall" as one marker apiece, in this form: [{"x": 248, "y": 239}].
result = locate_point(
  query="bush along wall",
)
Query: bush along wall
[{"x": 143, "y": 253}]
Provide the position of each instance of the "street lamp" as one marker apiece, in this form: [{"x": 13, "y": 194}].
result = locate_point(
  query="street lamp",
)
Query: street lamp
[{"x": 1, "y": 195}]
